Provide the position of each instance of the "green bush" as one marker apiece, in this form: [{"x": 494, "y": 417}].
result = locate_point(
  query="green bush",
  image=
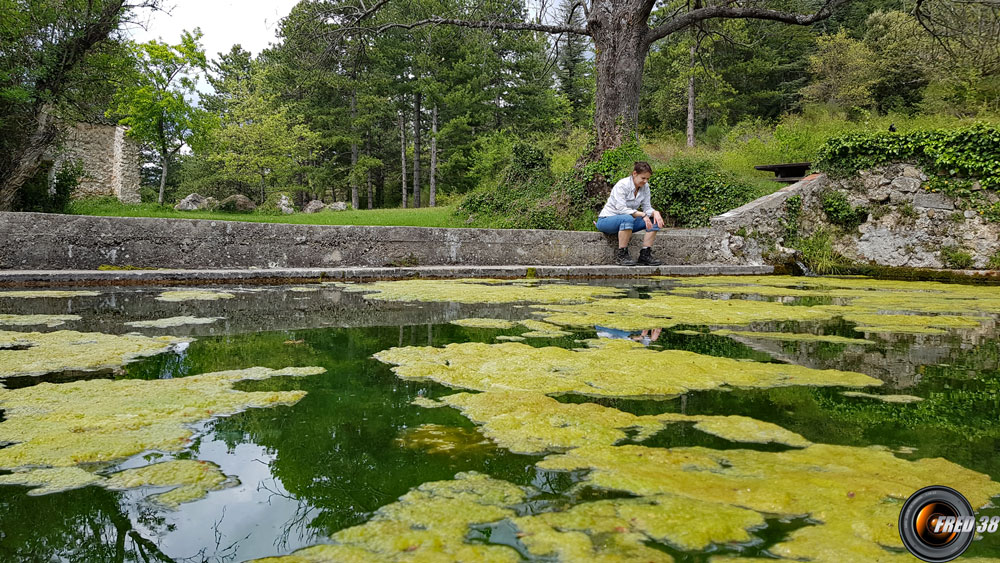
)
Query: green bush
[
  {"x": 691, "y": 190},
  {"x": 840, "y": 212},
  {"x": 34, "y": 195},
  {"x": 969, "y": 152}
]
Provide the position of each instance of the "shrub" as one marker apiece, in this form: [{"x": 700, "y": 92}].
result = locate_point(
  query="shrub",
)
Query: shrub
[
  {"x": 819, "y": 256},
  {"x": 34, "y": 195},
  {"x": 691, "y": 190},
  {"x": 956, "y": 258},
  {"x": 840, "y": 212},
  {"x": 968, "y": 152}
]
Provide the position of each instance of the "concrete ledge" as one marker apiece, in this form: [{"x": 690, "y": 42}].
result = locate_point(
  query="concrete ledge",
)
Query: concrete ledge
[
  {"x": 72, "y": 242},
  {"x": 34, "y": 278}
]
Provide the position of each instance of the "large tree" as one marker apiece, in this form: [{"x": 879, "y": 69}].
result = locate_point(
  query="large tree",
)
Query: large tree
[
  {"x": 57, "y": 58},
  {"x": 622, "y": 36}
]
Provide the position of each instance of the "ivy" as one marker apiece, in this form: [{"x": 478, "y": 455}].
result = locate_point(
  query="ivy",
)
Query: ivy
[
  {"x": 971, "y": 152},
  {"x": 692, "y": 190},
  {"x": 840, "y": 212}
]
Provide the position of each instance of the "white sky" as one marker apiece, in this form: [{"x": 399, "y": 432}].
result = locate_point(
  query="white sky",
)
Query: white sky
[{"x": 224, "y": 23}]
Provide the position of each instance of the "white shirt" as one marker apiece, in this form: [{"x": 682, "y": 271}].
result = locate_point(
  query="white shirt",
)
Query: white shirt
[{"x": 624, "y": 201}]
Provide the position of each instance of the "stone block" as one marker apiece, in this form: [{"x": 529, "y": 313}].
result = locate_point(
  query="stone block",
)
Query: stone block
[
  {"x": 314, "y": 206},
  {"x": 193, "y": 202},
  {"x": 933, "y": 201},
  {"x": 337, "y": 206},
  {"x": 906, "y": 184},
  {"x": 237, "y": 203}
]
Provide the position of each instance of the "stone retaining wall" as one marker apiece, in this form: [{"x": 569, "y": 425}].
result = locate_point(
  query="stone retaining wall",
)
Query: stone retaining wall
[
  {"x": 907, "y": 224},
  {"x": 60, "y": 242}
]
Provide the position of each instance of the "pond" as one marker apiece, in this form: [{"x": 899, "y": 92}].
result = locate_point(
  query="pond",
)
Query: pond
[{"x": 657, "y": 419}]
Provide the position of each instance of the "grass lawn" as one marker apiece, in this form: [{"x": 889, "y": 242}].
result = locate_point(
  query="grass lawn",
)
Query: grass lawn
[{"x": 423, "y": 217}]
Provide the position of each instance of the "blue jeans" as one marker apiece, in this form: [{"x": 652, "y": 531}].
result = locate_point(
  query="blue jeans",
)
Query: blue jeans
[{"x": 611, "y": 225}]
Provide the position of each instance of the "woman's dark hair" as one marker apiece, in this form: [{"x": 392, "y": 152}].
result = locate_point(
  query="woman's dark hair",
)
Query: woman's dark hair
[{"x": 642, "y": 167}]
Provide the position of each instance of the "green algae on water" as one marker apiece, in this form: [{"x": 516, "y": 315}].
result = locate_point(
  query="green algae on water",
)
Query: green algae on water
[
  {"x": 99, "y": 421},
  {"x": 37, "y": 353},
  {"x": 32, "y": 320},
  {"x": 177, "y": 296},
  {"x": 904, "y": 399},
  {"x": 508, "y": 338},
  {"x": 608, "y": 368},
  {"x": 47, "y": 294},
  {"x": 853, "y": 494},
  {"x": 173, "y": 322},
  {"x": 532, "y": 423},
  {"x": 795, "y": 337},
  {"x": 480, "y": 291},
  {"x": 51, "y": 480},
  {"x": 429, "y": 523},
  {"x": 440, "y": 439},
  {"x": 192, "y": 479},
  {"x": 499, "y": 324}
]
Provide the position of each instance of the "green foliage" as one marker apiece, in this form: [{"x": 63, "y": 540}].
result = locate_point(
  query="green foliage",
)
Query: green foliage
[
  {"x": 956, "y": 258},
  {"x": 35, "y": 194},
  {"x": 994, "y": 262},
  {"x": 845, "y": 71},
  {"x": 819, "y": 256},
  {"x": 615, "y": 163},
  {"x": 966, "y": 152},
  {"x": 793, "y": 211},
  {"x": 840, "y": 212},
  {"x": 691, "y": 190}
]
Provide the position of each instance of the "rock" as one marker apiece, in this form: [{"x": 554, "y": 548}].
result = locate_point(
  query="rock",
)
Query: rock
[
  {"x": 913, "y": 172},
  {"x": 193, "y": 202},
  {"x": 933, "y": 201},
  {"x": 337, "y": 206},
  {"x": 930, "y": 213},
  {"x": 970, "y": 214},
  {"x": 906, "y": 184},
  {"x": 880, "y": 194},
  {"x": 285, "y": 205},
  {"x": 314, "y": 206},
  {"x": 238, "y": 203}
]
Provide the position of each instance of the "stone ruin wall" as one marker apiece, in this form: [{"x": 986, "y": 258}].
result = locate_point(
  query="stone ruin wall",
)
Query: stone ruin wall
[
  {"x": 910, "y": 228},
  {"x": 111, "y": 161}
]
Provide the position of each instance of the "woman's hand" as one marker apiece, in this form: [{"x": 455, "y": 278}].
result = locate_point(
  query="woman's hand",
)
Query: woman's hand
[
  {"x": 649, "y": 223},
  {"x": 658, "y": 219}
]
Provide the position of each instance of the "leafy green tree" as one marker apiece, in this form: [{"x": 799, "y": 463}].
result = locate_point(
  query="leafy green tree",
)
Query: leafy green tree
[
  {"x": 156, "y": 106},
  {"x": 575, "y": 70},
  {"x": 58, "y": 61},
  {"x": 845, "y": 72},
  {"x": 260, "y": 142}
]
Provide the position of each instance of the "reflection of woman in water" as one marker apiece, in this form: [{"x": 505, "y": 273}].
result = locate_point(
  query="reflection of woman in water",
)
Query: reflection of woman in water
[{"x": 646, "y": 336}]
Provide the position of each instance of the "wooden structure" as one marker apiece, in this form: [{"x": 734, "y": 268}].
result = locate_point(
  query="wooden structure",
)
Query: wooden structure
[{"x": 787, "y": 173}]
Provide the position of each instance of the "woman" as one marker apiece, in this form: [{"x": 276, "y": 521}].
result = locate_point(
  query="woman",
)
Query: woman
[{"x": 621, "y": 215}]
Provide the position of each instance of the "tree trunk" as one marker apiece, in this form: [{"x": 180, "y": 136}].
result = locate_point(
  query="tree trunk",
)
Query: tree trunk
[
  {"x": 29, "y": 160},
  {"x": 416, "y": 150},
  {"x": 354, "y": 150},
  {"x": 434, "y": 154},
  {"x": 402, "y": 155},
  {"x": 368, "y": 176},
  {"x": 620, "y": 32},
  {"x": 164, "y": 158},
  {"x": 690, "y": 120}
]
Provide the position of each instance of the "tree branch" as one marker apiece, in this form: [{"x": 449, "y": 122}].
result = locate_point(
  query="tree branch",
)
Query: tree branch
[
  {"x": 730, "y": 12},
  {"x": 507, "y": 26}
]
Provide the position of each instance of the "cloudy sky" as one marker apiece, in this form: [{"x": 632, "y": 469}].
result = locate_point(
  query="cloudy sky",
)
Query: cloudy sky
[{"x": 252, "y": 24}]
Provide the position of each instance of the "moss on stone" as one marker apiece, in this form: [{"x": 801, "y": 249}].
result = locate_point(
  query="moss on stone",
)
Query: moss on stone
[
  {"x": 47, "y": 294},
  {"x": 173, "y": 322},
  {"x": 31, "y": 320},
  {"x": 36, "y": 353},
  {"x": 193, "y": 295},
  {"x": 481, "y": 291},
  {"x": 609, "y": 368},
  {"x": 304, "y": 289},
  {"x": 884, "y": 398},
  {"x": 192, "y": 479}
]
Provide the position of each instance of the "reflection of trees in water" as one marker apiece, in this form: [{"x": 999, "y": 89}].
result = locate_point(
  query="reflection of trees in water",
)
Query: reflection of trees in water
[{"x": 84, "y": 525}]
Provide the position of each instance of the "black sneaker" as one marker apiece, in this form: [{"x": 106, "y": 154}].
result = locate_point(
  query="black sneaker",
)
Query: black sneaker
[
  {"x": 646, "y": 258},
  {"x": 623, "y": 258}
]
